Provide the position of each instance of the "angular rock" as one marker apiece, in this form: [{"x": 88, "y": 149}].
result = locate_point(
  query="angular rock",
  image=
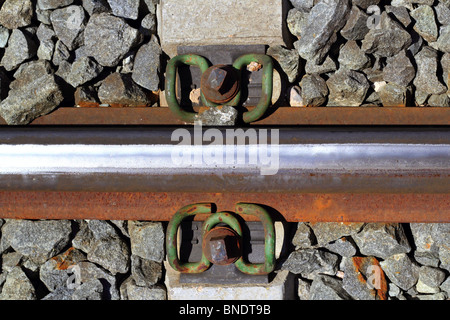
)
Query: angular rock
[
  {"x": 364, "y": 4},
  {"x": 118, "y": 89},
  {"x": 86, "y": 96},
  {"x": 221, "y": 116},
  {"x": 17, "y": 286},
  {"x": 445, "y": 286},
  {"x": 442, "y": 13},
  {"x": 426, "y": 78},
  {"x": 382, "y": 240},
  {"x": 310, "y": 262},
  {"x": 20, "y": 48},
  {"x": 297, "y": 21},
  {"x": 130, "y": 291},
  {"x": 90, "y": 290},
  {"x": 303, "y": 289},
  {"x": 4, "y": 36},
  {"x": 427, "y": 258},
  {"x": 314, "y": 90},
  {"x": 145, "y": 272},
  {"x": 304, "y": 5},
  {"x": 444, "y": 257},
  {"x": 21, "y": 108},
  {"x": 439, "y": 100},
  {"x": 425, "y": 22},
  {"x": 430, "y": 279},
  {"x": 401, "y": 13},
  {"x": 82, "y": 71},
  {"x": 105, "y": 247},
  {"x": 343, "y": 247},
  {"x": 417, "y": 43},
  {"x": 399, "y": 70},
  {"x": 401, "y": 270},
  {"x": 395, "y": 95},
  {"x": 55, "y": 272},
  {"x": 364, "y": 279},
  {"x": 43, "y": 15},
  {"x": 128, "y": 9},
  {"x": 387, "y": 40},
  {"x": 352, "y": 57},
  {"x": 147, "y": 240},
  {"x": 148, "y": 25},
  {"x": 295, "y": 98},
  {"x": 325, "y": 287},
  {"x": 356, "y": 26},
  {"x": 288, "y": 59},
  {"x": 53, "y": 4},
  {"x": 61, "y": 293},
  {"x": 326, "y": 232},
  {"x": 11, "y": 260},
  {"x": 443, "y": 42},
  {"x": 96, "y": 6},
  {"x": 106, "y": 31},
  {"x": 324, "y": 21},
  {"x": 347, "y": 88},
  {"x": 61, "y": 53},
  {"x": 329, "y": 65},
  {"x": 89, "y": 271},
  {"x": 146, "y": 66},
  {"x": 16, "y": 13},
  {"x": 436, "y": 296},
  {"x": 69, "y": 24},
  {"x": 39, "y": 239},
  {"x": 303, "y": 237}
]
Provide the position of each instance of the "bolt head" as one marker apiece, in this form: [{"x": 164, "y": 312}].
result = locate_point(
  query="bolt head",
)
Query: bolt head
[{"x": 222, "y": 246}]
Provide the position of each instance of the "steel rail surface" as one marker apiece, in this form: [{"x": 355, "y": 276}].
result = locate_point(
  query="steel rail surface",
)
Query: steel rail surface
[{"x": 309, "y": 160}]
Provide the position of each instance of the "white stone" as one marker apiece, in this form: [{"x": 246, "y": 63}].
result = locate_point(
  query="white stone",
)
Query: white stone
[
  {"x": 277, "y": 289},
  {"x": 210, "y": 22}
]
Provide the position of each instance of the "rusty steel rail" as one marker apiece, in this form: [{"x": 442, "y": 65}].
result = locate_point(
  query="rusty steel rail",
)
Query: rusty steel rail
[
  {"x": 365, "y": 116},
  {"x": 325, "y": 174}
]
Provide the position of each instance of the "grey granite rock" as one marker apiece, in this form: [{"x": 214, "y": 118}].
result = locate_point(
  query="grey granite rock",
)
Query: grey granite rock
[
  {"x": 395, "y": 95},
  {"x": 442, "y": 13},
  {"x": 96, "y": 6},
  {"x": 148, "y": 25},
  {"x": 107, "y": 31},
  {"x": 4, "y": 36},
  {"x": 147, "y": 240},
  {"x": 425, "y": 22},
  {"x": 399, "y": 69},
  {"x": 439, "y": 100},
  {"x": 325, "y": 287},
  {"x": 310, "y": 262},
  {"x": 325, "y": 20},
  {"x": 430, "y": 279},
  {"x": 352, "y": 57},
  {"x": 55, "y": 272},
  {"x": 401, "y": 14},
  {"x": 329, "y": 65},
  {"x": 303, "y": 289},
  {"x": 343, "y": 247},
  {"x": 401, "y": 270},
  {"x": 382, "y": 240},
  {"x": 145, "y": 272},
  {"x": 83, "y": 70},
  {"x": 221, "y": 116},
  {"x": 128, "y": 9},
  {"x": 21, "y": 47},
  {"x": 129, "y": 290},
  {"x": 61, "y": 53},
  {"x": 303, "y": 237},
  {"x": 39, "y": 239},
  {"x": 147, "y": 66},
  {"x": 53, "y": 4},
  {"x": 304, "y": 5},
  {"x": 443, "y": 42},
  {"x": 89, "y": 271},
  {"x": 289, "y": 60},
  {"x": 356, "y": 26},
  {"x": 17, "y": 286},
  {"x": 364, "y": 4},
  {"x": 69, "y": 24},
  {"x": 347, "y": 88},
  {"x": 314, "y": 90},
  {"x": 61, "y": 293},
  {"x": 90, "y": 290},
  {"x": 297, "y": 21},
  {"x": 426, "y": 78},
  {"x": 16, "y": 13},
  {"x": 120, "y": 89},
  {"x": 326, "y": 232},
  {"x": 11, "y": 260},
  {"x": 388, "y": 40}
]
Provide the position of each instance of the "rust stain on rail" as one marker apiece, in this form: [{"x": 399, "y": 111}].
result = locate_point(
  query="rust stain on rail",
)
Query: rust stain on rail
[
  {"x": 291, "y": 207},
  {"x": 273, "y": 116}
]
